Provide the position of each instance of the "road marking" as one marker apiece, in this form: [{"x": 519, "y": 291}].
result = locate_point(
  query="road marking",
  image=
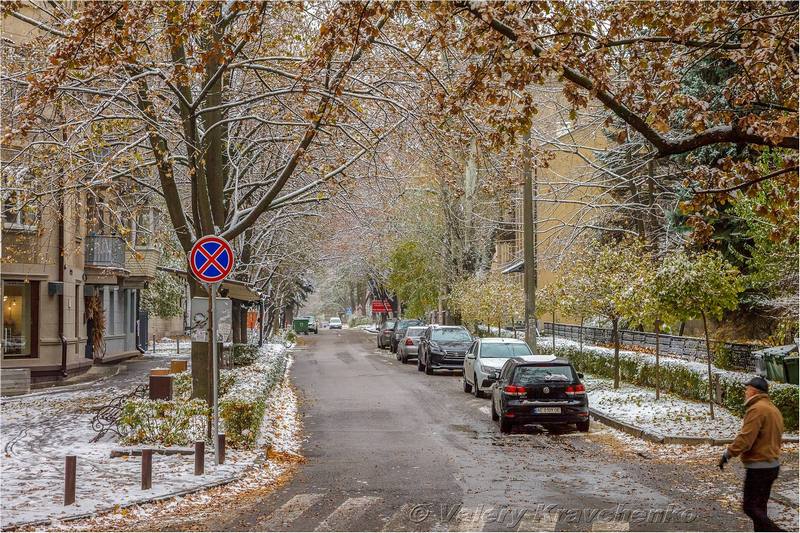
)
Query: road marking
[
  {"x": 290, "y": 511},
  {"x": 538, "y": 521},
  {"x": 349, "y": 511},
  {"x": 468, "y": 519},
  {"x": 400, "y": 520},
  {"x": 610, "y": 526}
]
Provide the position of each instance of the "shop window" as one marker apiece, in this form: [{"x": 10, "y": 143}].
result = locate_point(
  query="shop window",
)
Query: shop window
[{"x": 19, "y": 319}]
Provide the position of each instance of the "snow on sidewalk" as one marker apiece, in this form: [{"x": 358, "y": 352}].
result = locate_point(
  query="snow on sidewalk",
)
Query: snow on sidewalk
[
  {"x": 38, "y": 432},
  {"x": 668, "y": 415}
]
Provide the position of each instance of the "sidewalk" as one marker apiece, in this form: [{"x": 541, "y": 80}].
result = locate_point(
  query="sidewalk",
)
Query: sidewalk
[
  {"x": 670, "y": 418},
  {"x": 38, "y": 430}
]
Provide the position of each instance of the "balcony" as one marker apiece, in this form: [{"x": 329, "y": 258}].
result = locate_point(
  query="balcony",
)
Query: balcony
[
  {"x": 142, "y": 262},
  {"x": 105, "y": 252}
]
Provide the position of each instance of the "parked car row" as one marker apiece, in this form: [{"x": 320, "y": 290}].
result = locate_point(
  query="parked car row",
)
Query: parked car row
[{"x": 524, "y": 388}]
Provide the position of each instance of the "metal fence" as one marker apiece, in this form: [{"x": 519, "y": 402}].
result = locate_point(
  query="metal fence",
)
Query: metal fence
[{"x": 738, "y": 355}]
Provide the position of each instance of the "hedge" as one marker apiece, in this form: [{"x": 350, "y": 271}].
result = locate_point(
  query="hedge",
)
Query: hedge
[
  {"x": 244, "y": 354},
  {"x": 680, "y": 379},
  {"x": 242, "y": 403},
  {"x": 165, "y": 423},
  {"x": 242, "y": 408}
]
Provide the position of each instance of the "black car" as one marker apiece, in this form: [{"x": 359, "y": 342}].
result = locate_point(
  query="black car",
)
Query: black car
[
  {"x": 400, "y": 328},
  {"x": 385, "y": 333},
  {"x": 542, "y": 390},
  {"x": 443, "y": 348}
]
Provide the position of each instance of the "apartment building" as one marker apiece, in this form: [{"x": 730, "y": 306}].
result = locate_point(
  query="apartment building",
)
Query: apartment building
[{"x": 72, "y": 261}]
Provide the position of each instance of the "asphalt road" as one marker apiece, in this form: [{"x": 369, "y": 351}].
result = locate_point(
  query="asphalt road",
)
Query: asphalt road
[{"x": 389, "y": 448}]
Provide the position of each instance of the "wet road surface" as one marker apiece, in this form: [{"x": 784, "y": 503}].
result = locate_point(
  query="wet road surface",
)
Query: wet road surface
[{"x": 390, "y": 448}]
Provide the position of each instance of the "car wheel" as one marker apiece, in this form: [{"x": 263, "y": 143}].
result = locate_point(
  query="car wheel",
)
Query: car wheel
[
  {"x": 404, "y": 358},
  {"x": 495, "y": 416},
  {"x": 420, "y": 366},
  {"x": 505, "y": 425},
  {"x": 467, "y": 386},
  {"x": 397, "y": 355},
  {"x": 583, "y": 426},
  {"x": 476, "y": 390}
]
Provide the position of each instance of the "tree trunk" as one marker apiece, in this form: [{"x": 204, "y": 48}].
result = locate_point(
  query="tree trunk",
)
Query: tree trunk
[
  {"x": 580, "y": 335},
  {"x": 553, "y": 331},
  {"x": 658, "y": 346},
  {"x": 615, "y": 334},
  {"x": 708, "y": 357}
]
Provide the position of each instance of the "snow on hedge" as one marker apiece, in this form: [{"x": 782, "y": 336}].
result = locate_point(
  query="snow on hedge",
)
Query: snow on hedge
[{"x": 38, "y": 432}]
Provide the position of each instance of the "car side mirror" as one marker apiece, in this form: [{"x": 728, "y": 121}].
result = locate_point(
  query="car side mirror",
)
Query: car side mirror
[
  {"x": 580, "y": 375},
  {"x": 470, "y": 356}
]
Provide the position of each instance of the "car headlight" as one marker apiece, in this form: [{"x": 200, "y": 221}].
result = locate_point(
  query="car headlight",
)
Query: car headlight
[
  {"x": 487, "y": 370},
  {"x": 436, "y": 349}
]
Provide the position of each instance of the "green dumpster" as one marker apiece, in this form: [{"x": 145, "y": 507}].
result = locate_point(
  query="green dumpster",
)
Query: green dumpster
[
  {"x": 300, "y": 325},
  {"x": 790, "y": 366},
  {"x": 774, "y": 363}
]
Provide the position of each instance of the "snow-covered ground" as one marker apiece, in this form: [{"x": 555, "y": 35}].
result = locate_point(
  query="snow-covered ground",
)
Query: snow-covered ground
[
  {"x": 37, "y": 433},
  {"x": 668, "y": 415},
  {"x": 277, "y": 451},
  {"x": 167, "y": 347}
]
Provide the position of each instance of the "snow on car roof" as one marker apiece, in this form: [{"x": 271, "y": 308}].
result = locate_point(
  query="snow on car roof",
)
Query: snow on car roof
[{"x": 537, "y": 358}]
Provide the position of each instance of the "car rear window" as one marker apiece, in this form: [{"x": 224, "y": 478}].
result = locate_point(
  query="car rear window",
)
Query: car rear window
[
  {"x": 504, "y": 349},
  {"x": 526, "y": 375},
  {"x": 451, "y": 334},
  {"x": 389, "y": 324},
  {"x": 415, "y": 332}
]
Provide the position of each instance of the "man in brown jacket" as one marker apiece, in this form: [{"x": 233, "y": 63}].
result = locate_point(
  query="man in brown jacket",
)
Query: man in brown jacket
[{"x": 759, "y": 444}]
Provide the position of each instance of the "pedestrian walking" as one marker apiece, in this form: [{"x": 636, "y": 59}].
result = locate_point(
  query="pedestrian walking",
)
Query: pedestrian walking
[{"x": 759, "y": 445}]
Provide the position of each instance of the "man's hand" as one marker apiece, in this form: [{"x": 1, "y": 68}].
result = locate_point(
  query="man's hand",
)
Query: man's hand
[{"x": 723, "y": 460}]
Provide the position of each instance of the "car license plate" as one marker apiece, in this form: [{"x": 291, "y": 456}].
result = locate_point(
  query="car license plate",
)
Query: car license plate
[{"x": 547, "y": 410}]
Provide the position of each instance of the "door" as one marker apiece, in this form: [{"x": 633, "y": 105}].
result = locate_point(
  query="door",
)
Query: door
[{"x": 469, "y": 363}]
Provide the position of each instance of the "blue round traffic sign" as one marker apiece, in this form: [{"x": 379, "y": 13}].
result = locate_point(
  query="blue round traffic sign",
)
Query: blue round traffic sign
[{"x": 211, "y": 259}]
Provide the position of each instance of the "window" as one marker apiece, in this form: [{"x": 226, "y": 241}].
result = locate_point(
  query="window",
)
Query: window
[
  {"x": 112, "y": 310},
  {"x": 541, "y": 374},
  {"x": 145, "y": 227},
  {"x": 451, "y": 334},
  {"x": 19, "y": 331},
  {"x": 18, "y": 211},
  {"x": 77, "y": 304},
  {"x": 504, "y": 349}
]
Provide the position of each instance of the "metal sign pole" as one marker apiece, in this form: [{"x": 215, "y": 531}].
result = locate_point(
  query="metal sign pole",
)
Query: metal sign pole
[{"x": 214, "y": 372}]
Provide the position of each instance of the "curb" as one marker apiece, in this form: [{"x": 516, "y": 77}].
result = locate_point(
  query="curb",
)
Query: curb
[
  {"x": 142, "y": 501},
  {"x": 663, "y": 439}
]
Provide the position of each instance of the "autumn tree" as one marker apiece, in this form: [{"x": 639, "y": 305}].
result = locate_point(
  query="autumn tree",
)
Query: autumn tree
[
  {"x": 615, "y": 270},
  {"x": 700, "y": 286},
  {"x": 414, "y": 277}
]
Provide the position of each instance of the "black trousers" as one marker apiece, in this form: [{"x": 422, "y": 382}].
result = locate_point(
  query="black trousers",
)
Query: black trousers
[{"x": 757, "y": 486}]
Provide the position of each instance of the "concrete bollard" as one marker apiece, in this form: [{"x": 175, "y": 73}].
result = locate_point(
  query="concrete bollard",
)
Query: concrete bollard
[
  {"x": 221, "y": 444},
  {"x": 199, "y": 458},
  {"x": 178, "y": 344},
  {"x": 69, "y": 480},
  {"x": 154, "y": 344},
  {"x": 147, "y": 469}
]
